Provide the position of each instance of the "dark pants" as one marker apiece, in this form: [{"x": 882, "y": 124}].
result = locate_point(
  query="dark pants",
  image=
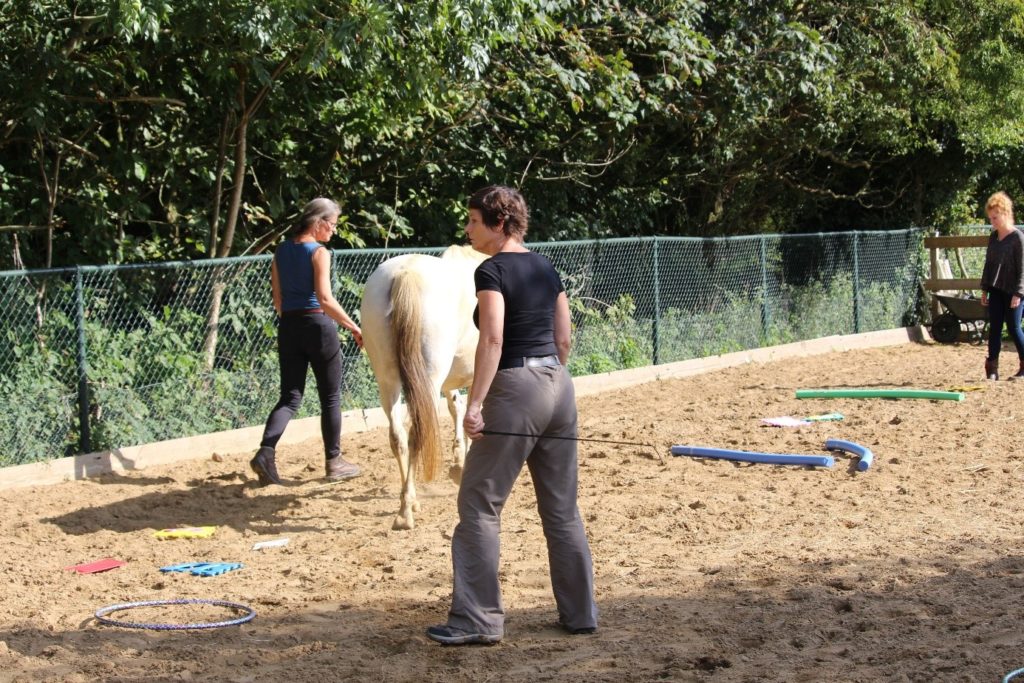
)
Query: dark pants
[
  {"x": 999, "y": 314},
  {"x": 303, "y": 341},
  {"x": 528, "y": 401}
]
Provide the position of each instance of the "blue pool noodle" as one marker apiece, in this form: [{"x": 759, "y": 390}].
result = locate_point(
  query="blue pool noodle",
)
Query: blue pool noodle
[
  {"x": 748, "y": 456},
  {"x": 864, "y": 453}
]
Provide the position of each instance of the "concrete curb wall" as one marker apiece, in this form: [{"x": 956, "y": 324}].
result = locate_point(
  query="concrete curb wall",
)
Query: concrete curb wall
[{"x": 353, "y": 421}]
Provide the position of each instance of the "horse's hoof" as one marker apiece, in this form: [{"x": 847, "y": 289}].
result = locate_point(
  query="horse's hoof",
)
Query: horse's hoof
[
  {"x": 402, "y": 524},
  {"x": 455, "y": 474},
  {"x": 416, "y": 506}
]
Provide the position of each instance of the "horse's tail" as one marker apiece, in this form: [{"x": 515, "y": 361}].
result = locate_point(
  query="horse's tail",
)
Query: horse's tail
[{"x": 407, "y": 328}]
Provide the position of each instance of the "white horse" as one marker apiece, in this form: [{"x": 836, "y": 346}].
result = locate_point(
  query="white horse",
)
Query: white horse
[{"x": 418, "y": 332}]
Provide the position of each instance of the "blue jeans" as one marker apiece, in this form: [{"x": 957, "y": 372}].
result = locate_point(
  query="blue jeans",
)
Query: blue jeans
[
  {"x": 304, "y": 341},
  {"x": 999, "y": 314}
]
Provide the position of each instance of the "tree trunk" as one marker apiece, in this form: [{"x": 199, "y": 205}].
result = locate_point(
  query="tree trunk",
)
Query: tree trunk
[
  {"x": 246, "y": 112},
  {"x": 224, "y": 249},
  {"x": 51, "y": 198},
  {"x": 219, "y": 185}
]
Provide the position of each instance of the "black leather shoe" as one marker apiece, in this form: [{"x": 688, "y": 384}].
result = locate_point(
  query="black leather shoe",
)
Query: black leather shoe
[
  {"x": 586, "y": 630},
  {"x": 264, "y": 466},
  {"x": 451, "y": 635}
]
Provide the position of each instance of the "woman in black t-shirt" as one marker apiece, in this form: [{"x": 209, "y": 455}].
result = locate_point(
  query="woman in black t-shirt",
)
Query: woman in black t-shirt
[{"x": 522, "y": 410}]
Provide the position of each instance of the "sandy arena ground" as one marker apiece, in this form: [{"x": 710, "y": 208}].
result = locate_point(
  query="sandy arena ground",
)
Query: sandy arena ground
[{"x": 706, "y": 570}]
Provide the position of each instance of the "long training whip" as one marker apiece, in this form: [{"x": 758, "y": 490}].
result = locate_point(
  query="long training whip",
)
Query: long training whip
[{"x": 574, "y": 438}]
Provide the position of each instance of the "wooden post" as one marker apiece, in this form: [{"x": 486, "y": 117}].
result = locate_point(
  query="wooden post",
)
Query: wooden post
[
  {"x": 934, "y": 283},
  {"x": 934, "y": 273}
]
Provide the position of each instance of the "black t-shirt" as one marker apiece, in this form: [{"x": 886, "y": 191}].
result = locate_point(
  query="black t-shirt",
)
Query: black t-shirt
[{"x": 530, "y": 286}]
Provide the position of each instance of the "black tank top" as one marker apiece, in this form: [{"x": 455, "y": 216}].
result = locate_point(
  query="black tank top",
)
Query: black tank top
[{"x": 530, "y": 286}]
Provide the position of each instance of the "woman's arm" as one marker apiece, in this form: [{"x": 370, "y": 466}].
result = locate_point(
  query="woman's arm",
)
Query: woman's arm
[
  {"x": 1018, "y": 257},
  {"x": 563, "y": 328},
  {"x": 322, "y": 287},
  {"x": 275, "y": 286},
  {"x": 488, "y": 353}
]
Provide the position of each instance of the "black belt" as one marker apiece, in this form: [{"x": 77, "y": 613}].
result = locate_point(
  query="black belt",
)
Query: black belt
[
  {"x": 529, "y": 362},
  {"x": 300, "y": 311}
]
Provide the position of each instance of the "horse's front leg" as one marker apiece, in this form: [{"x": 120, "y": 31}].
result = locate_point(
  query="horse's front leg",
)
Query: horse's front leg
[{"x": 457, "y": 409}]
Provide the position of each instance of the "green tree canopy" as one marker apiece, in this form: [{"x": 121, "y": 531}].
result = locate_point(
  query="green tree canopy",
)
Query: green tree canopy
[{"x": 157, "y": 129}]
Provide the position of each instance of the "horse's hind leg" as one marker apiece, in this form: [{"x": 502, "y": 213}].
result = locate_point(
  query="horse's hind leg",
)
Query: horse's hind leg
[
  {"x": 399, "y": 438},
  {"x": 457, "y": 409}
]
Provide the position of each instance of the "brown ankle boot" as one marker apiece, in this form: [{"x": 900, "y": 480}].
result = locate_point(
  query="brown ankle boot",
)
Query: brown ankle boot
[
  {"x": 265, "y": 467},
  {"x": 338, "y": 469},
  {"x": 992, "y": 368},
  {"x": 1020, "y": 372}
]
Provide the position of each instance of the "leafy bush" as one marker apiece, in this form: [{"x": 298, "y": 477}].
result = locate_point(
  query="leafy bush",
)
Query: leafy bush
[
  {"x": 41, "y": 419},
  {"x": 607, "y": 337},
  {"x": 733, "y": 325}
]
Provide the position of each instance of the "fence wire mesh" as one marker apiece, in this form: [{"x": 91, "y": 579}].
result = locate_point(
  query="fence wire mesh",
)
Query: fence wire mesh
[{"x": 107, "y": 357}]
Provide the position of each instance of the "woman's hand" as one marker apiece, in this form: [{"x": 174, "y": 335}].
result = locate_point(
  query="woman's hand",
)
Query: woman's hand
[
  {"x": 984, "y": 298},
  {"x": 357, "y": 334},
  {"x": 1014, "y": 301},
  {"x": 473, "y": 422}
]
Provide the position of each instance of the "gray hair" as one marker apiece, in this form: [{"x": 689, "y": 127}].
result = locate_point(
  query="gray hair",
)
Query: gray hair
[{"x": 321, "y": 207}]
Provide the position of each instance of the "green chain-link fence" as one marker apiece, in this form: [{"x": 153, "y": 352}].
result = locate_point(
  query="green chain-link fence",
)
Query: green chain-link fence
[{"x": 113, "y": 356}]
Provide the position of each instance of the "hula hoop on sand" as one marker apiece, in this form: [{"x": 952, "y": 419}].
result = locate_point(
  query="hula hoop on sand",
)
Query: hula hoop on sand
[{"x": 101, "y": 614}]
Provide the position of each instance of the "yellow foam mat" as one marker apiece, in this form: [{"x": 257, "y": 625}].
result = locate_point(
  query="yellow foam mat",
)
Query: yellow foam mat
[{"x": 186, "y": 532}]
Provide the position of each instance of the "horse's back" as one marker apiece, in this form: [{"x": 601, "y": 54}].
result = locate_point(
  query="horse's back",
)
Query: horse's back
[
  {"x": 463, "y": 252},
  {"x": 445, "y": 285}
]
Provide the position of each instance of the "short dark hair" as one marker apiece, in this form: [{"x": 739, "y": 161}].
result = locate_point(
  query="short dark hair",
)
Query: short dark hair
[{"x": 497, "y": 203}]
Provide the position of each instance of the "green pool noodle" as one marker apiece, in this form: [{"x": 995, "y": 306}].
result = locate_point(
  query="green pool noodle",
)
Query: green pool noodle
[{"x": 881, "y": 393}]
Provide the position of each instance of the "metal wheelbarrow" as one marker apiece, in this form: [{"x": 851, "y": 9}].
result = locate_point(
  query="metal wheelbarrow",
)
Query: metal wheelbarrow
[{"x": 962, "y": 312}]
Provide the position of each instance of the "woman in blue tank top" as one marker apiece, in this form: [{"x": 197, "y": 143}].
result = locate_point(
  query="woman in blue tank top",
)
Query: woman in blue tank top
[{"x": 307, "y": 336}]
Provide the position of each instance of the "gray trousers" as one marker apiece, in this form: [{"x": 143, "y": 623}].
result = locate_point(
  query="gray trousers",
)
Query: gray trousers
[{"x": 531, "y": 401}]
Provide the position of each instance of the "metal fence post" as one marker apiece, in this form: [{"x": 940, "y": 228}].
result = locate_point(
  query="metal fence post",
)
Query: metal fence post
[
  {"x": 656, "y": 333},
  {"x": 765, "y": 310},
  {"x": 856, "y": 282},
  {"x": 83, "y": 366}
]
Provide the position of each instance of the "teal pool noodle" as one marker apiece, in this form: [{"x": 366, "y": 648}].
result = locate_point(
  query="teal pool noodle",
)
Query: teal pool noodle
[
  {"x": 862, "y": 452},
  {"x": 750, "y": 456},
  {"x": 881, "y": 393}
]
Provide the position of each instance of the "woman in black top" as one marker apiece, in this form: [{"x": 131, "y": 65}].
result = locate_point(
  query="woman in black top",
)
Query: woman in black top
[
  {"x": 307, "y": 335},
  {"x": 1002, "y": 282},
  {"x": 521, "y": 387}
]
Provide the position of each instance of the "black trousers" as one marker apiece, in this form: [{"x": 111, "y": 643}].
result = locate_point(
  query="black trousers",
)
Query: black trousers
[{"x": 304, "y": 341}]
